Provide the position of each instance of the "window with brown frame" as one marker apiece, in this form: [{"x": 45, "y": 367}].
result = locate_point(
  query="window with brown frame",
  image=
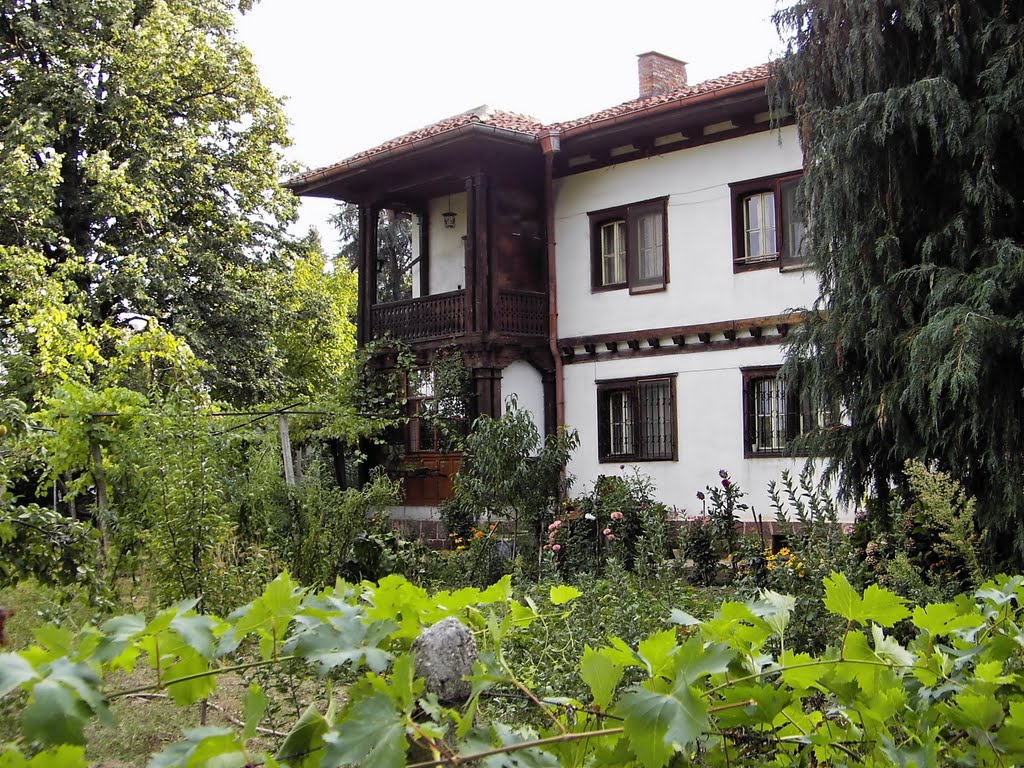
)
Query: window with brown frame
[
  {"x": 636, "y": 419},
  {"x": 434, "y": 423},
  {"x": 773, "y": 414},
  {"x": 629, "y": 247},
  {"x": 768, "y": 226}
]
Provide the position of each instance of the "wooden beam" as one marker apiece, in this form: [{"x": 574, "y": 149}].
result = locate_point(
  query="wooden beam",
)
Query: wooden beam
[{"x": 721, "y": 326}]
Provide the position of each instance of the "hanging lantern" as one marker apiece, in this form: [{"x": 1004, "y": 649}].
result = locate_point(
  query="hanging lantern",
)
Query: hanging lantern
[{"x": 449, "y": 215}]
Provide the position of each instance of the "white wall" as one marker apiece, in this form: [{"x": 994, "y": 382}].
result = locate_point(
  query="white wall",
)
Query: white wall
[
  {"x": 447, "y": 252},
  {"x": 524, "y": 381},
  {"x": 709, "y": 414},
  {"x": 702, "y": 286}
]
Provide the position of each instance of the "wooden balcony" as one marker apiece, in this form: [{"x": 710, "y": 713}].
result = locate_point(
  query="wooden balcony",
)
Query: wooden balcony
[
  {"x": 519, "y": 313},
  {"x": 523, "y": 313},
  {"x": 429, "y": 317}
]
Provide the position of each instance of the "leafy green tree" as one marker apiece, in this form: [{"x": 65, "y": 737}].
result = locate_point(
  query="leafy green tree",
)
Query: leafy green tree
[
  {"x": 910, "y": 114},
  {"x": 510, "y": 472},
  {"x": 140, "y": 158},
  {"x": 314, "y": 324}
]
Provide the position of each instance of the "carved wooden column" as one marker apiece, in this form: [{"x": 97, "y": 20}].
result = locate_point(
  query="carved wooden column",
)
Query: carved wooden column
[
  {"x": 478, "y": 252},
  {"x": 425, "y": 252},
  {"x": 487, "y": 387},
  {"x": 367, "y": 272}
]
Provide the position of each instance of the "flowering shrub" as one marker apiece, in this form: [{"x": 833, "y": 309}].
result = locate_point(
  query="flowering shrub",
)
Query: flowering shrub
[
  {"x": 619, "y": 518},
  {"x": 817, "y": 544},
  {"x": 478, "y": 557},
  {"x": 699, "y": 548}
]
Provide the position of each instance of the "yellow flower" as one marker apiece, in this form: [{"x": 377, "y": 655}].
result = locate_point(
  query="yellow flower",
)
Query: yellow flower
[{"x": 459, "y": 548}]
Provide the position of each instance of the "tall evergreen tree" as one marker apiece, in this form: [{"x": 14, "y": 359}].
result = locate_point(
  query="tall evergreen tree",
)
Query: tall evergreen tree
[{"x": 912, "y": 119}]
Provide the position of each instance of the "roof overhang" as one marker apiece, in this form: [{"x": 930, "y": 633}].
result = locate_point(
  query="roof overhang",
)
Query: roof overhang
[{"x": 423, "y": 167}]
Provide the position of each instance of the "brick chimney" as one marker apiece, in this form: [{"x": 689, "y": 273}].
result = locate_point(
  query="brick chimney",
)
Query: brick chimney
[{"x": 659, "y": 73}]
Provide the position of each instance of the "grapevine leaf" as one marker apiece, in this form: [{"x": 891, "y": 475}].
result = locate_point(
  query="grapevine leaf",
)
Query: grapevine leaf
[
  {"x": 522, "y": 615},
  {"x": 302, "y": 747},
  {"x": 183, "y": 753},
  {"x": 621, "y": 653},
  {"x": 255, "y": 706},
  {"x": 117, "y": 633},
  {"x": 57, "y": 640},
  {"x": 190, "y": 665},
  {"x": 197, "y": 632},
  {"x": 14, "y": 671},
  {"x": 683, "y": 618},
  {"x": 775, "y": 609},
  {"x": 657, "y": 651},
  {"x": 694, "y": 660},
  {"x": 562, "y": 594},
  {"x": 499, "y": 592},
  {"x": 925, "y": 756},
  {"x": 85, "y": 682},
  {"x": 219, "y": 751},
  {"x": 942, "y": 618},
  {"x": 341, "y": 640},
  {"x": 882, "y": 606},
  {"x": 64, "y": 756},
  {"x": 972, "y": 710},
  {"x": 803, "y": 677},
  {"x": 841, "y": 598},
  {"x": 521, "y": 758},
  {"x": 889, "y": 649},
  {"x": 657, "y": 724},
  {"x": 54, "y": 715},
  {"x": 371, "y": 735},
  {"x": 765, "y": 702},
  {"x": 601, "y": 674}
]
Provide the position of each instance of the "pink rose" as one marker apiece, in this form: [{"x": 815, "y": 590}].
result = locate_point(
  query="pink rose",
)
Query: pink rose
[
  {"x": 616, "y": 515},
  {"x": 556, "y": 547},
  {"x": 610, "y": 537},
  {"x": 607, "y": 531}
]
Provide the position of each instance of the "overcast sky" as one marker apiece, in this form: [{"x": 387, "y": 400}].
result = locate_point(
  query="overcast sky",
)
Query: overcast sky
[{"x": 355, "y": 74}]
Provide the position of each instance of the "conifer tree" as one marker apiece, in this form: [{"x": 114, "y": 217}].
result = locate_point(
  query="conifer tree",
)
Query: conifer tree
[{"x": 911, "y": 115}]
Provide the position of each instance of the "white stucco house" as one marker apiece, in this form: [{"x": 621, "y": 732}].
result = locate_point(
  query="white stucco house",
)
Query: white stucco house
[{"x": 629, "y": 274}]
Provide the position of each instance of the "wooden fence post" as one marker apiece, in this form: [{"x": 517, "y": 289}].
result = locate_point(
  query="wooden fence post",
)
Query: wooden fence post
[{"x": 286, "y": 449}]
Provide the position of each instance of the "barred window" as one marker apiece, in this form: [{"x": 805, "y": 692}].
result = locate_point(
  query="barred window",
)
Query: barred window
[
  {"x": 773, "y": 415},
  {"x": 636, "y": 419}
]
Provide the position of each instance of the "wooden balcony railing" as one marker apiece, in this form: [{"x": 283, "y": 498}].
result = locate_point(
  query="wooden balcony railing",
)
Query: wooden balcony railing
[
  {"x": 428, "y": 317},
  {"x": 523, "y": 313}
]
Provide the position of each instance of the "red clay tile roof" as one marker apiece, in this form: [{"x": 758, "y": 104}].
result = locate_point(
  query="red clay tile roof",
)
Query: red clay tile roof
[
  {"x": 753, "y": 74},
  {"x": 483, "y": 114},
  {"x": 529, "y": 126}
]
